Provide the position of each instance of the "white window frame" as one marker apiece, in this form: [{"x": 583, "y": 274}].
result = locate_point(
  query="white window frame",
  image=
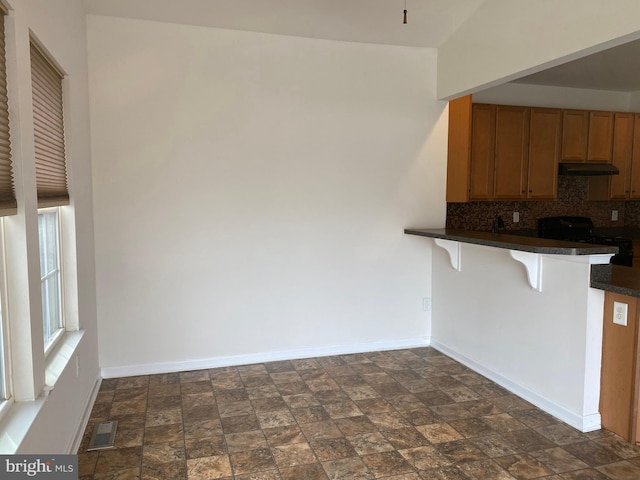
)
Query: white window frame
[
  {"x": 55, "y": 338},
  {"x": 5, "y": 365}
]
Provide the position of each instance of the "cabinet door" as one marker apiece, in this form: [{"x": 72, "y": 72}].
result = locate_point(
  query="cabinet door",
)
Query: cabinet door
[
  {"x": 459, "y": 151},
  {"x": 544, "y": 151},
  {"x": 600, "y": 137},
  {"x": 511, "y": 153},
  {"x": 618, "y": 371},
  {"x": 575, "y": 132},
  {"x": 620, "y": 185},
  {"x": 635, "y": 160},
  {"x": 483, "y": 135}
]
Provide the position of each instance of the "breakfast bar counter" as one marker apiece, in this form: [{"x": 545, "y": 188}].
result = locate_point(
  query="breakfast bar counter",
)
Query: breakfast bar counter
[
  {"x": 514, "y": 242},
  {"x": 537, "y": 330}
]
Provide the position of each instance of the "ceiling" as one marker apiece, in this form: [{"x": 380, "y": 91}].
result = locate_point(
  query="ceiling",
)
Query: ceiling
[
  {"x": 430, "y": 22},
  {"x": 615, "y": 69}
]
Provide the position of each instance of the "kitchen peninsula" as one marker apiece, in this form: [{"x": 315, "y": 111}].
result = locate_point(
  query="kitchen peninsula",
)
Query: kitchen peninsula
[{"x": 522, "y": 312}]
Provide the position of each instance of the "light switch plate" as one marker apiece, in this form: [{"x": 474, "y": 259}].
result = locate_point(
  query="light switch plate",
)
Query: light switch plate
[{"x": 620, "y": 313}]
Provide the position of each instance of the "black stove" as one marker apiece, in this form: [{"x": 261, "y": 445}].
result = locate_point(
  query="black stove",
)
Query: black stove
[{"x": 580, "y": 229}]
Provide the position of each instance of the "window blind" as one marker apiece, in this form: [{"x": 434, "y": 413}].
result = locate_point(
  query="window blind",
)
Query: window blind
[
  {"x": 48, "y": 125},
  {"x": 8, "y": 205}
]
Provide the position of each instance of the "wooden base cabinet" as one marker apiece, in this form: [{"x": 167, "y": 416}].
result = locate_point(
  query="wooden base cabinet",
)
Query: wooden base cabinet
[{"x": 620, "y": 382}]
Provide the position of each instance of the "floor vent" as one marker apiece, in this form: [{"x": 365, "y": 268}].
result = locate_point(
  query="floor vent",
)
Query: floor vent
[{"x": 104, "y": 435}]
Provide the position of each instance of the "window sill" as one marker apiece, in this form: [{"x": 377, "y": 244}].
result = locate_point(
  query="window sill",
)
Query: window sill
[
  {"x": 21, "y": 415},
  {"x": 58, "y": 360}
]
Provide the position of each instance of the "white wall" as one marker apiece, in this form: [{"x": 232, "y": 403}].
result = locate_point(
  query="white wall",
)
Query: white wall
[
  {"x": 545, "y": 346},
  {"x": 634, "y": 101},
  {"x": 59, "y": 25},
  {"x": 251, "y": 192},
  {"x": 507, "y": 39},
  {"x": 556, "y": 97}
]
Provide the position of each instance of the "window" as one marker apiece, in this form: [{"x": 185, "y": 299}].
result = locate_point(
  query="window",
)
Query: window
[
  {"x": 51, "y": 185},
  {"x": 50, "y": 275},
  {"x": 8, "y": 205},
  {"x": 4, "y": 381},
  {"x": 48, "y": 130}
]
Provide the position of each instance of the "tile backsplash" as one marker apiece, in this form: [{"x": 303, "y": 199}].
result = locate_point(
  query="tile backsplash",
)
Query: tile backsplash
[{"x": 572, "y": 200}]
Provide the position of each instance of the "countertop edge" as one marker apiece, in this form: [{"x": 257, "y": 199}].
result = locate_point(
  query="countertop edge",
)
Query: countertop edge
[
  {"x": 616, "y": 279},
  {"x": 514, "y": 242}
]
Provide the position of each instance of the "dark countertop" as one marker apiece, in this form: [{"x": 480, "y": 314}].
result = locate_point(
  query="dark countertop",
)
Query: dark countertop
[
  {"x": 617, "y": 279},
  {"x": 514, "y": 242},
  {"x": 631, "y": 233}
]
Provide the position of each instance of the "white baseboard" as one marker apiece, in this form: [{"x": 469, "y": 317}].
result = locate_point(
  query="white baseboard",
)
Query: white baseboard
[
  {"x": 84, "y": 420},
  {"x": 248, "y": 359},
  {"x": 584, "y": 423}
]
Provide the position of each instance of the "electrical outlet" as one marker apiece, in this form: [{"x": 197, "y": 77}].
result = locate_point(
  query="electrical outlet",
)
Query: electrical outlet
[
  {"x": 620, "y": 313},
  {"x": 614, "y": 215},
  {"x": 426, "y": 304},
  {"x": 516, "y": 217}
]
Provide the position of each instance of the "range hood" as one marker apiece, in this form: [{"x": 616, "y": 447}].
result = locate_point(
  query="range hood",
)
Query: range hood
[{"x": 587, "y": 169}]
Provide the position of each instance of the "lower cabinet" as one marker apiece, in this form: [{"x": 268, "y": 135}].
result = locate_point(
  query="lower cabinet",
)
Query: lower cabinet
[{"x": 620, "y": 382}]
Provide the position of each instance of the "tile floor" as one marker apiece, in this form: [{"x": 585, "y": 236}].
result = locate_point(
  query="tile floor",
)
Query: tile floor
[{"x": 398, "y": 415}]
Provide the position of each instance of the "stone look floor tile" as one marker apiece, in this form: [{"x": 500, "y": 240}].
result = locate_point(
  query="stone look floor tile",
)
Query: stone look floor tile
[
  {"x": 293, "y": 454},
  {"x": 621, "y": 470},
  {"x": 368, "y": 443},
  {"x": 485, "y": 470},
  {"x": 164, "y": 417},
  {"x": 163, "y": 434},
  {"x": 164, "y": 471},
  {"x": 425, "y": 457},
  {"x": 239, "y": 442},
  {"x": 163, "y": 453},
  {"x": 559, "y": 460},
  {"x": 332, "y": 448},
  {"x": 399, "y": 415},
  {"x": 284, "y": 435},
  {"x": 439, "y": 432},
  {"x": 523, "y": 466},
  {"x": 352, "y": 468},
  {"x": 252, "y": 461},
  {"x": 387, "y": 463},
  {"x": 205, "y": 447},
  {"x": 205, "y": 468}
]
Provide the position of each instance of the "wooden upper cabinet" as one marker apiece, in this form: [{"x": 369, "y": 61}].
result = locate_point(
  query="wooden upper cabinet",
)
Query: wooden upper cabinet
[
  {"x": 600, "y": 137},
  {"x": 622, "y": 155},
  {"x": 459, "y": 149},
  {"x": 635, "y": 159},
  {"x": 503, "y": 152},
  {"x": 511, "y": 152},
  {"x": 544, "y": 152},
  {"x": 483, "y": 134},
  {"x": 587, "y": 136},
  {"x": 575, "y": 132}
]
